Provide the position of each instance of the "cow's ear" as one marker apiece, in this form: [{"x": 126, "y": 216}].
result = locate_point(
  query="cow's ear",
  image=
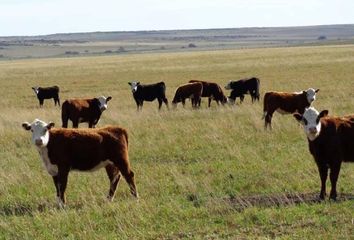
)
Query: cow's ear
[
  {"x": 304, "y": 92},
  {"x": 108, "y": 98},
  {"x": 317, "y": 90},
  {"x": 137, "y": 83},
  {"x": 50, "y": 125},
  {"x": 298, "y": 117},
  {"x": 26, "y": 126},
  {"x": 130, "y": 83},
  {"x": 322, "y": 114}
]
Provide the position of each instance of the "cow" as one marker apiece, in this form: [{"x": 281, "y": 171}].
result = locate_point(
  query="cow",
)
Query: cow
[
  {"x": 286, "y": 103},
  {"x": 83, "y": 110},
  {"x": 244, "y": 86},
  {"x": 331, "y": 142},
  {"x": 148, "y": 92},
  {"x": 63, "y": 150},
  {"x": 47, "y": 93},
  {"x": 190, "y": 90},
  {"x": 212, "y": 91}
]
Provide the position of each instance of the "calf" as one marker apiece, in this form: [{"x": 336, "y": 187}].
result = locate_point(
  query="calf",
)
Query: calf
[
  {"x": 47, "y": 93},
  {"x": 189, "y": 90},
  {"x": 244, "y": 86},
  {"x": 286, "y": 103},
  {"x": 149, "y": 92},
  {"x": 331, "y": 142},
  {"x": 212, "y": 91},
  {"x": 63, "y": 150},
  {"x": 83, "y": 110}
]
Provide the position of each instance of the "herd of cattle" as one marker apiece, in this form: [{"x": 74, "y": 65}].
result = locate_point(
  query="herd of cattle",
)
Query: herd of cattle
[{"x": 330, "y": 139}]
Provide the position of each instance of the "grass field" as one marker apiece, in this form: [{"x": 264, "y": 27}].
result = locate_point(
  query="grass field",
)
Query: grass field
[{"x": 201, "y": 174}]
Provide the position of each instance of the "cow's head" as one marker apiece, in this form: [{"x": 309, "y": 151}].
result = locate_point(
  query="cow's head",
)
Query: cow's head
[
  {"x": 102, "y": 102},
  {"x": 36, "y": 90},
  {"x": 228, "y": 85},
  {"x": 134, "y": 86},
  {"x": 311, "y": 121},
  {"x": 311, "y": 94},
  {"x": 40, "y": 131}
]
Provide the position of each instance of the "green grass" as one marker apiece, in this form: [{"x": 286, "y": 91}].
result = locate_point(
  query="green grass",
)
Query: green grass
[{"x": 189, "y": 164}]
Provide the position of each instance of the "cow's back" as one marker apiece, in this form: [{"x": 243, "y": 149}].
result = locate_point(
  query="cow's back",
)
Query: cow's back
[{"x": 150, "y": 92}]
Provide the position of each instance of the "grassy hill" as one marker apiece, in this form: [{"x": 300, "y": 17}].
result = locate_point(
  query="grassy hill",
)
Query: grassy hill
[
  {"x": 118, "y": 43},
  {"x": 208, "y": 173}
]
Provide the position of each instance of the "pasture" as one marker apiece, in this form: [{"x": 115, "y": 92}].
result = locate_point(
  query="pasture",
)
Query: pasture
[{"x": 201, "y": 174}]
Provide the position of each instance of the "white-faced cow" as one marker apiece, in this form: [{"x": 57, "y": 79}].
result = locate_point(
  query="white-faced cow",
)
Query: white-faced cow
[
  {"x": 63, "y": 150},
  {"x": 212, "y": 91},
  {"x": 148, "y": 92},
  {"x": 331, "y": 142},
  {"x": 286, "y": 103},
  {"x": 189, "y": 90},
  {"x": 47, "y": 93},
  {"x": 83, "y": 110},
  {"x": 244, "y": 86}
]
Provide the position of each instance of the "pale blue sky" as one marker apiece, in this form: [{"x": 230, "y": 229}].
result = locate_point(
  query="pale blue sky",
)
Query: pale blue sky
[{"x": 36, "y": 17}]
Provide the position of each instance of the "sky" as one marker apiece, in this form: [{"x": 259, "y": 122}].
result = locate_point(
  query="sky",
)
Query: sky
[{"x": 39, "y": 17}]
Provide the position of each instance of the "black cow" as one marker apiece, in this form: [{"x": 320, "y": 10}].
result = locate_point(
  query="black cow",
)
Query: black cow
[
  {"x": 47, "y": 93},
  {"x": 244, "y": 86},
  {"x": 149, "y": 92}
]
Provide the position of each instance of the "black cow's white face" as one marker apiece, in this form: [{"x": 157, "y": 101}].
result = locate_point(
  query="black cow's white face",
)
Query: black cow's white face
[
  {"x": 134, "y": 86},
  {"x": 311, "y": 122},
  {"x": 311, "y": 94},
  {"x": 36, "y": 90},
  {"x": 102, "y": 102},
  {"x": 40, "y": 133},
  {"x": 228, "y": 85}
]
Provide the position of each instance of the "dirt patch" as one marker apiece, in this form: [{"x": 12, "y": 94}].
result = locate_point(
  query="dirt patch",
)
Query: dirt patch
[{"x": 241, "y": 203}]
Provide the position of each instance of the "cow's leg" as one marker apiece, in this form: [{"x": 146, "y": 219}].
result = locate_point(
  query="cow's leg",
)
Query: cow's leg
[
  {"x": 323, "y": 169},
  {"x": 75, "y": 123},
  {"x": 184, "y": 102},
  {"x": 123, "y": 165},
  {"x": 160, "y": 102},
  {"x": 41, "y": 102},
  {"x": 334, "y": 177},
  {"x": 60, "y": 182},
  {"x": 166, "y": 102},
  {"x": 90, "y": 124},
  {"x": 209, "y": 102},
  {"x": 114, "y": 177},
  {"x": 141, "y": 103},
  {"x": 56, "y": 100},
  {"x": 268, "y": 121},
  {"x": 241, "y": 98}
]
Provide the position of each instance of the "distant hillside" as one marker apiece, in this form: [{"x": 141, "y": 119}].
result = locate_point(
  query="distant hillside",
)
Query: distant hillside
[{"x": 65, "y": 44}]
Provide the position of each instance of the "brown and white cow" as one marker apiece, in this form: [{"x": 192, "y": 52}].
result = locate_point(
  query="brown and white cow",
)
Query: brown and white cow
[
  {"x": 212, "y": 91},
  {"x": 286, "y": 103},
  {"x": 190, "y": 90},
  {"x": 63, "y": 150},
  {"x": 83, "y": 110},
  {"x": 331, "y": 142}
]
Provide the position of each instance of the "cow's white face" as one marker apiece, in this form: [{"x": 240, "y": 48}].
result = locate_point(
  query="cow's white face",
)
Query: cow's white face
[
  {"x": 134, "y": 86},
  {"x": 36, "y": 90},
  {"x": 102, "y": 101},
  {"x": 311, "y": 122},
  {"x": 228, "y": 86},
  {"x": 311, "y": 94},
  {"x": 40, "y": 133}
]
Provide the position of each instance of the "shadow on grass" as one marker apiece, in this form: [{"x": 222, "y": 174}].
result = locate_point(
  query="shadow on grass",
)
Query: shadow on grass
[
  {"x": 241, "y": 203},
  {"x": 25, "y": 209}
]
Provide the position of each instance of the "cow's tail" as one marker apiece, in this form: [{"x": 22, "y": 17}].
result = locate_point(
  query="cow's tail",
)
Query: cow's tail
[
  {"x": 125, "y": 134},
  {"x": 64, "y": 114},
  {"x": 257, "y": 89}
]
